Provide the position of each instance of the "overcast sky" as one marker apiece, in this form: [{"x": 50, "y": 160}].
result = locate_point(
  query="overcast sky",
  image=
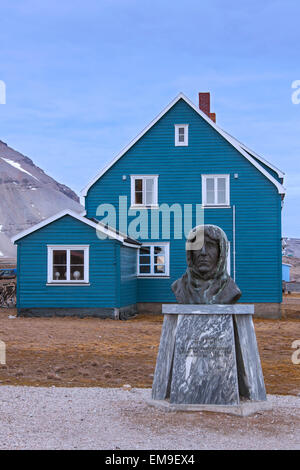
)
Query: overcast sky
[{"x": 85, "y": 77}]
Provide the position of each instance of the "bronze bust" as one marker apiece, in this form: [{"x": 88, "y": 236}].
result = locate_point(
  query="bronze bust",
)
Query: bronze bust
[{"x": 206, "y": 280}]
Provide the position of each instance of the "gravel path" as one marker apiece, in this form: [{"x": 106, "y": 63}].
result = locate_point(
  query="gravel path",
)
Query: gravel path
[{"x": 99, "y": 418}]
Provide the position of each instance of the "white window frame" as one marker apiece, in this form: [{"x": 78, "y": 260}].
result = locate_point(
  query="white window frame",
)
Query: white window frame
[
  {"x": 155, "y": 190},
  {"x": 229, "y": 259},
  {"x": 185, "y": 143},
  {"x": 166, "y": 246},
  {"x": 227, "y": 191},
  {"x": 68, "y": 249}
]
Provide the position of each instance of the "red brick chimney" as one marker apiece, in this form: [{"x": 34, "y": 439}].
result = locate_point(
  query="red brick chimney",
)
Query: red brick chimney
[{"x": 204, "y": 105}]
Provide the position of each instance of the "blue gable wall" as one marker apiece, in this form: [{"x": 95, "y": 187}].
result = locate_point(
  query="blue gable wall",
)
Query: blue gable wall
[
  {"x": 256, "y": 200},
  {"x": 104, "y": 279},
  {"x": 268, "y": 169}
]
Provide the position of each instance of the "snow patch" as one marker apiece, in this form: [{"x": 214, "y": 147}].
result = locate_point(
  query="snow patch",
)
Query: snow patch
[{"x": 18, "y": 166}]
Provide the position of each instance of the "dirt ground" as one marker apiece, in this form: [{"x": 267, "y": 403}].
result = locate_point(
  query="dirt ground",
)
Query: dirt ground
[{"x": 73, "y": 352}]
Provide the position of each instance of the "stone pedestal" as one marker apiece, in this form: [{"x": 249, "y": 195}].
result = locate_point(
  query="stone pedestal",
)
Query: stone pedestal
[{"x": 208, "y": 356}]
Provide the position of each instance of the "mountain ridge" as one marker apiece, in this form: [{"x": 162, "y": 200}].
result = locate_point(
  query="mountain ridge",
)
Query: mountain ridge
[{"x": 27, "y": 196}]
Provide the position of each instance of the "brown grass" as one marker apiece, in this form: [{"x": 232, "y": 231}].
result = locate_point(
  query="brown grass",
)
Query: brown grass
[{"x": 107, "y": 353}]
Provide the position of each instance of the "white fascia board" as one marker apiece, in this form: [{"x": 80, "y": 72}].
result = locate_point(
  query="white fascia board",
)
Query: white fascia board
[
  {"x": 280, "y": 173},
  {"x": 224, "y": 134},
  {"x": 131, "y": 245},
  {"x": 80, "y": 217}
]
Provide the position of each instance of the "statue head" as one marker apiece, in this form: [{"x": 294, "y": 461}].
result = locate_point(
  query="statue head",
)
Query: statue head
[
  {"x": 206, "y": 280},
  {"x": 206, "y": 252}
]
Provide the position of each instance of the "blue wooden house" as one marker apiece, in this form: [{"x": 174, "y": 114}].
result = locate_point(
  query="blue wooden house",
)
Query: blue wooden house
[{"x": 71, "y": 264}]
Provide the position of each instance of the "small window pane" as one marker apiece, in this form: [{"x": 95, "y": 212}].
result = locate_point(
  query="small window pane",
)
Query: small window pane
[
  {"x": 77, "y": 257},
  {"x": 59, "y": 273},
  {"x": 77, "y": 273},
  {"x": 221, "y": 190},
  {"x": 149, "y": 184},
  {"x": 210, "y": 190},
  {"x": 159, "y": 249},
  {"x": 149, "y": 199},
  {"x": 144, "y": 269},
  {"x": 181, "y": 134},
  {"x": 159, "y": 260},
  {"x": 221, "y": 197},
  {"x": 59, "y": 257},
  {"x": 221, "y": 184},
  {"x": 138, "y": 191},
  {"x": 138, "y": 198},
  {"x": 210, "y": 184},
  {"x": 144, "y": 259},
  {"x": 139, "y": 185},
  {"x": 159, "y": 269}
]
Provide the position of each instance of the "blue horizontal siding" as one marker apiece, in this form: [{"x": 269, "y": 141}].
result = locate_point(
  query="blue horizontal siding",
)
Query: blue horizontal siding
[
  {"x": 32, "y": 268},
  {"x": 128, "y": 286},
  {"x": 257, "y": 202}
]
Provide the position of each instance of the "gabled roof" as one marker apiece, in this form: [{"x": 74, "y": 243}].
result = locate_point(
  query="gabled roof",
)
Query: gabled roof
[
  {"x": 242, "y": 149},
  {"x": 109, "y": 231}
]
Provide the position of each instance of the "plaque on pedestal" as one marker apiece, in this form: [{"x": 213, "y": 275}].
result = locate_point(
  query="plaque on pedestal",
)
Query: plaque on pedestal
[{"x": 208, "y": 356}]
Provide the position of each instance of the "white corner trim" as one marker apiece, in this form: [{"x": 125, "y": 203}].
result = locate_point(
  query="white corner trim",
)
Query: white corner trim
[
  {"x": 230, "y": 139},
  {"x": 97, "y": 226}
]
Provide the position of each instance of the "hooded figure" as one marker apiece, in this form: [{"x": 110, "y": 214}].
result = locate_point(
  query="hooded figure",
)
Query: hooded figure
[{"x": 206, "y": 280}]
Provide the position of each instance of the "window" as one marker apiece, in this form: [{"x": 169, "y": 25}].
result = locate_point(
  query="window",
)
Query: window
[
  {"x": 153, "y": 260},
  {"x": 181, "y": 135},
  {"x": 144, "y": 190},
  {"x": 228, "y": 259},
  {"x": 215, "y": 190},
  {"x": 68, "y": 264}
]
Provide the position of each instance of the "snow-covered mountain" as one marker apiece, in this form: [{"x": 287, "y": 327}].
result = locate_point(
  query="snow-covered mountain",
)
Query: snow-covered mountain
[{"x": 27, "y": 196}]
